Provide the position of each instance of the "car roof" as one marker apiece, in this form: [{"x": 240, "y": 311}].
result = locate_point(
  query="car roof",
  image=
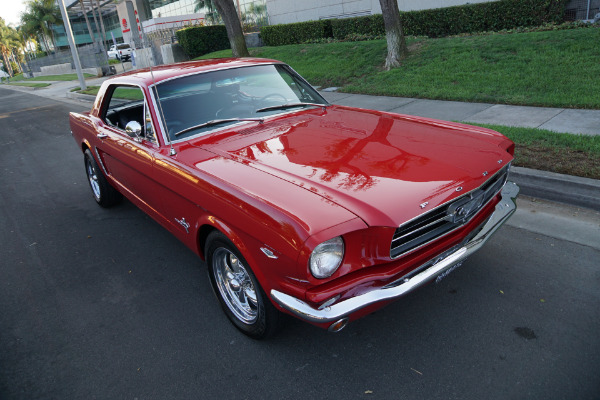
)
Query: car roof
[{"x": 164, "y": 72}]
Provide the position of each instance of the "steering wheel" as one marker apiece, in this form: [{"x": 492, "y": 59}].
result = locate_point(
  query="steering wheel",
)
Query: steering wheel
[{"x": 273, "y": 95}]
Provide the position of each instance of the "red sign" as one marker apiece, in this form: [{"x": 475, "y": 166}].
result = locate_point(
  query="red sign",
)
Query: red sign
[{"x": 124, "y": 22}]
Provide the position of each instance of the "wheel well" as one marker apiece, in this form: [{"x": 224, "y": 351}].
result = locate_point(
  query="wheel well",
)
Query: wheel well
[
  {"x": 84, "y": 147},
  {"x": 203, "y": 233}
]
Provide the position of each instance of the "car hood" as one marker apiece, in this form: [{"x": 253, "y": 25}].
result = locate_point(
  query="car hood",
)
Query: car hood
[{"x": 384, "y": 168}]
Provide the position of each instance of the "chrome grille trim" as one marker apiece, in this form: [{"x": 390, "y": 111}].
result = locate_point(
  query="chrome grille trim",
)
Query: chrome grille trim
[
  {"x": 419, "y": 229},
  {"x": 442, "y": 220}
]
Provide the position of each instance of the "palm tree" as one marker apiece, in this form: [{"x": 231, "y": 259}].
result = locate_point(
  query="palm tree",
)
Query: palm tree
[
  {"x": 39, "y": 19},
  {"x": 9, "y": 41},
  {"x": 255, "y": 15},
  {"x": 212, "y": 16}
]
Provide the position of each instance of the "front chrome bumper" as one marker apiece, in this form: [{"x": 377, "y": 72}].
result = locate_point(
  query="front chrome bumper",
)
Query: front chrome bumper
[{"x": 504, "y": 209}]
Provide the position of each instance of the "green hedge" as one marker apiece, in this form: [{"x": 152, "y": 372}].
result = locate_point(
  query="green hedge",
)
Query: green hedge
[
  {"x": 492, "y": 16},
  {"x": 481, "y": 17},
  {"x": 200, "y": 40},
  {"x": 299, "y": 32},
  {"x": 371, "y": 25}
]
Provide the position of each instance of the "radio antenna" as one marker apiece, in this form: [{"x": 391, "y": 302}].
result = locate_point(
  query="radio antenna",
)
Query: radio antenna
[{"x": 145, "y": 40}]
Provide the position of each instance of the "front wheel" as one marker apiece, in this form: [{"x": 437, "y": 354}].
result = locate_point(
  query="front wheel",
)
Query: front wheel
[
  {"x": 104, "y": 194},
  {"x": 241, "y": 297}
]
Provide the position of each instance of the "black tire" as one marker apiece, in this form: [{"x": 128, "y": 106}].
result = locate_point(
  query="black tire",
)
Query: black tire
[
  {"x": 104, "y": 194},
  {"x": 248, "y": 307}
]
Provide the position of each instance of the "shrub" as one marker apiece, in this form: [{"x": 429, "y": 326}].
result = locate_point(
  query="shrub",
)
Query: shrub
[
  {"x": 299, "y": 32},
  {"x": 469, "y": 18},
  {"x": 492, "y": 16},
  {"x": 15, "y": 67},
  {"x": 370, "y": 25},
  {"x": 200, "y": 40}
]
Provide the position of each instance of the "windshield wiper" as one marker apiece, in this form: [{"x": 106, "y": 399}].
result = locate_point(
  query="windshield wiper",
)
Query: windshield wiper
[
  {"x": 290, "y": 105},
  {"x": 217, "y": 122}
]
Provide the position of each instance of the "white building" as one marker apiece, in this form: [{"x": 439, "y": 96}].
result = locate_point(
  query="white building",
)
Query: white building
[{"x": 287, "y": 11}]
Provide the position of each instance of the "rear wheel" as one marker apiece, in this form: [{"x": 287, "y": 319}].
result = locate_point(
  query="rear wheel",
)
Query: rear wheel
[
  {"x": 241, "y": 297},
  {"x": 104, "y": 194}
]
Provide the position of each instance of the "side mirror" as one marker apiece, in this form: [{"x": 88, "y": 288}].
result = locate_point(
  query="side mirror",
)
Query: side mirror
[{"x": 134, "y": 129}]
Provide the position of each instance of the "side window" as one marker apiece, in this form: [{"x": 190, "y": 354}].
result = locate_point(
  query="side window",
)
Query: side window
[{"x": 126, "y": 104}]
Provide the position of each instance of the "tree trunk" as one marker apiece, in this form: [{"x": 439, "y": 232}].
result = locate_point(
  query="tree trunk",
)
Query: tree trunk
[
  {"x": 396, "y": 45},
  {"x": 45, "y": 40},
  {"x": 97, "y": 43},
  {"x": 17, "y": 63},
  {"x": 87, "y": 21},
  {"x": 235, "y": 34},
  {"x": 102, "y": 25},
  {"x": 7, "y": 64},
  {"x": 53, "y": 38}
]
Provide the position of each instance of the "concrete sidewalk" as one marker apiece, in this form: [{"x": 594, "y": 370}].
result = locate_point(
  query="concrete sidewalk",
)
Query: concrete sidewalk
[
  {"x": 563, "y": 120},
  {"x": 61, "y": 90}
]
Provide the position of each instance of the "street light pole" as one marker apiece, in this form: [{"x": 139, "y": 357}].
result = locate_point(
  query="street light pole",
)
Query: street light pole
[{"x": 74, "y": 53}]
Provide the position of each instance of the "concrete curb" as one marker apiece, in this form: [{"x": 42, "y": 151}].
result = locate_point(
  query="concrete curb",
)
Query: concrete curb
[
  {"x": 81, "y": 96},
  {"x": 26, "y": 88},
  {"x": 573, "y": 190}
]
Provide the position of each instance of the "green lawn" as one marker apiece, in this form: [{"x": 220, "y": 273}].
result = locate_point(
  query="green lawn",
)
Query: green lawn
[
  {"x": 28, "y": 84},
  {"x": 64, "y": 77},
  {"x": 93, "y": 90},
  {"x": 120, "y": 93},
  {"x": 552, "y": 68},
  {"x": 556, "y": 152}
]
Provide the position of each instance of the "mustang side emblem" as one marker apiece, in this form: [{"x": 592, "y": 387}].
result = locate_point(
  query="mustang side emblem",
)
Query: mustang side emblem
[{"x": 183, "y": 223}]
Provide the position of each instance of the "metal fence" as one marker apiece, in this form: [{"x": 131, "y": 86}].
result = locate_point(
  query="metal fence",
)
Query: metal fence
[
  {"x": 581, "y": 9},
  {"x": 91, "y": 56}
]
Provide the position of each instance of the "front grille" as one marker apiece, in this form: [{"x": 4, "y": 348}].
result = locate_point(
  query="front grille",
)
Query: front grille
[{"x": 447, "y": 217}]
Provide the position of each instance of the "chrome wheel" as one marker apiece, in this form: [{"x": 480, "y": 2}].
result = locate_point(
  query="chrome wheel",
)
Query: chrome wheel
[
  {"x": 104, "y": 194},
  {"x": 93, "y": 178},
  {"x": 235, "y": 285}
]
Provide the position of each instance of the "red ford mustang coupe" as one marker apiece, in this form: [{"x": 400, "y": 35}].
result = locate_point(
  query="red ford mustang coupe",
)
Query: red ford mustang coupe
[{"x": 298, "y": 206}]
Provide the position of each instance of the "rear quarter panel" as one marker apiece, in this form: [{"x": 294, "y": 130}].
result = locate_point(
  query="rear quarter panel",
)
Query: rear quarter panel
[{"x": 82, "y": 129}]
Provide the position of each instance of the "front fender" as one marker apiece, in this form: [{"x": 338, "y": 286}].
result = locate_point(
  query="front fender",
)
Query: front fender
[{"x": 272, "y": 273}]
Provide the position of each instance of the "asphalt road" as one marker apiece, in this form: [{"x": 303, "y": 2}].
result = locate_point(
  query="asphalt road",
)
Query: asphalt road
[{"x": 105, "y": 304}]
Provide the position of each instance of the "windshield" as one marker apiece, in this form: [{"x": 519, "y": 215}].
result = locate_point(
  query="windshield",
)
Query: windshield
[{"x": 199, "y": 103}]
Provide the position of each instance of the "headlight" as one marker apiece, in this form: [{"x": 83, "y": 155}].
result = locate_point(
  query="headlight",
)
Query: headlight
[{"x": 327, "y": 257}]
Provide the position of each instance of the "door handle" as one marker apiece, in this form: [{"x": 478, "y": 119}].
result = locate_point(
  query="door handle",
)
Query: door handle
[{"x": 102, "y": 135}]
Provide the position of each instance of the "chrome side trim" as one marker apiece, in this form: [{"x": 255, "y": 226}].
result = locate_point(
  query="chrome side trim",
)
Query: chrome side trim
[
  {"x": 268, "y": 253},
  {"x": 100, "y": 161},
  {"x": 183, "y": 223},
  {"x": 299, "y": 308}
]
